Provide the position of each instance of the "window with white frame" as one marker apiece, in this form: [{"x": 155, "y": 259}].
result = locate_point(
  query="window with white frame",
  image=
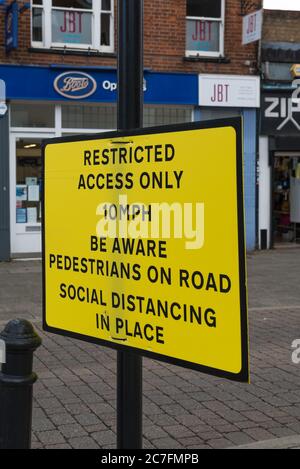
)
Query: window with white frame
[
  {"x": 205, "y": 28},
  {"x": 73, "y": 24}
]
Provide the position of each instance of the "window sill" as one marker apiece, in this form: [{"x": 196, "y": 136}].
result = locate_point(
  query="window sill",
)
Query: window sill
[
  {"x": 92, "y": 53},
  {"x": 219, "y": 60}
]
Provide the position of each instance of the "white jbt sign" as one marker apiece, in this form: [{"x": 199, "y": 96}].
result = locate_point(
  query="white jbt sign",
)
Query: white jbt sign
[
  {"x": 229, "y": 91},
  {"x": 252, "y": 27}
]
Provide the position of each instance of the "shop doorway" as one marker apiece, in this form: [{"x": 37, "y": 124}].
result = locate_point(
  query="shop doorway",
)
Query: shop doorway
[
  {"x": 25, "y": 184},
  {"x": 286, "y": 199}
]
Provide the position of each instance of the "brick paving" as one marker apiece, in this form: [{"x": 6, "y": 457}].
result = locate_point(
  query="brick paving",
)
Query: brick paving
[{"x": 75, "y": 396}]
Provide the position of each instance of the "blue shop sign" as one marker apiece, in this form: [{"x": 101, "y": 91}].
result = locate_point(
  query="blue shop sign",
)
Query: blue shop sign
[
  {"x": 62, "y": 83},
  {"x": 11, "y": 27}
]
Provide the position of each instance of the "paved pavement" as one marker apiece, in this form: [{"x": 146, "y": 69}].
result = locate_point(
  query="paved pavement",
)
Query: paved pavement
[{"x": 75, "y": 396}]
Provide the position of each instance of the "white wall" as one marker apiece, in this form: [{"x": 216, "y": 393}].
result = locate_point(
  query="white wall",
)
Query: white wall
[{"x": 264, "y": 222}]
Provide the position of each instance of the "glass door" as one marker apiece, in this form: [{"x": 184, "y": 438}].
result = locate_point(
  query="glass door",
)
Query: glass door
[{"x": 26, "y": 182}]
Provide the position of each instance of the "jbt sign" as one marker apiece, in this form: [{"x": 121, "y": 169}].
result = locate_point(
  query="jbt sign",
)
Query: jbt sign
[
  {"x": 229, "y": 91},
  {"x": 252, "y": 27}
]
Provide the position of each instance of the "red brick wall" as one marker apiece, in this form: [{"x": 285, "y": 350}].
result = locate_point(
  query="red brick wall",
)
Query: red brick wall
[
  {"x": 23, "y": 56},
  {"x": 165, "y": 32},
  {"x": 281, "y": 26},
  {"x": 164, "y": 22}
]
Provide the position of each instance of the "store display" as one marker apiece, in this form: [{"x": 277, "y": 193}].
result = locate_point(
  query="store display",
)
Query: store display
[
  {"x": 21, "y": 192},
  {"x": 28, "y": 207},
  {"x": 28, "y": 184},
  {"x": 31, "y": 181},
  {"x": 34, "y": 193},
  {"x": 31, "y": 215},
  {"x": 286, "y": 198},
  {"x": 295, "y": 200},
  {"x": 21, "y": 215}
]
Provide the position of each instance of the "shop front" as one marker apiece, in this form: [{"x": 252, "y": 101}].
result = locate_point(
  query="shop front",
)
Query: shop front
[
  {"x": 54, "y": 101},
  {"x": 222, "y": 96},
  {"x": 279, "y": 167}
]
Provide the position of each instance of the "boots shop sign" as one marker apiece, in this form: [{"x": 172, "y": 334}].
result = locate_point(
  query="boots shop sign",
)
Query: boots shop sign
[
  {"x": 75, "y": 85},
  {"x": 281, "y": 112}
]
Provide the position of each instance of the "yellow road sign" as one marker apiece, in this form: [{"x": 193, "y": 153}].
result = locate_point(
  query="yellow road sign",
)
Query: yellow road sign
[{"x": 143, "y": 243}]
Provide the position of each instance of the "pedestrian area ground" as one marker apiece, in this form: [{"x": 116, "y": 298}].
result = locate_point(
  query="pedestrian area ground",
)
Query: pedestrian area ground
[{"x": 75, "y": 396}]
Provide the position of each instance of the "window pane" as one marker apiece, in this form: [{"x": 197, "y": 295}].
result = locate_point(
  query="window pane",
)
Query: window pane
[
  {"x": 89, "y": 117},
  {"x": 163, "y": 115},
  {"x": 28, "y": 180},
  {"x": 208, "y": 8},
  {"x": 37, "y": 2},
  {"x": 79, "y": 4},
  {"x": 105, "y": 29},
  {"x": 37, "y": 24},
  {"x": 106, "y": 5},
  {"x": 71, "y": 27},
  {"x": 220, "y": 113},
  {"x": 203, "y": 36},
  {"x": 32, "y": 115}
]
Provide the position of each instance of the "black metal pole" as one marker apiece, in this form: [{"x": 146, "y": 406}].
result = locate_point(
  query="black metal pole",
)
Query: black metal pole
[
  {"x": 130, "y": 64},
  {"x": 16, "y": 380},
  {"x": 130, "y": 116}
]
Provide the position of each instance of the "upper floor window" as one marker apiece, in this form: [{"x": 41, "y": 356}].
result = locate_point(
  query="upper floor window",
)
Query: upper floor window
[
  {"x": 73, "y": 24},
  {"x": 205, "y": 28}
]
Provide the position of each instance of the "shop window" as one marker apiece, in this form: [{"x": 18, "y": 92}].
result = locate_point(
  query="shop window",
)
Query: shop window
[
  {"x": 205, "y": 28},
  {"x": 286, "y": 198},
  {"x": 73, "y": 24},
  {"x": 28, "y": 181},
  {"x": 211, "y": 113},
  {"x": 104, "y": 117},
  {"x": 37, "y": 21},
  {"x": 89, "y": 116},
  {"x": 32, "y": 115},
  {"x": 164, "y": 115}
]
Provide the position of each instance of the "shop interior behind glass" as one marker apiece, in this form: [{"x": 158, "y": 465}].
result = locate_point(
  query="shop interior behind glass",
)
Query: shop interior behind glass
[
  {"x": 286, "y": 200},
  {"x": 28, "y": 188}
]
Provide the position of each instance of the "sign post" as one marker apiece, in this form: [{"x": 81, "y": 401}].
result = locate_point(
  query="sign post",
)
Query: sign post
[
  {"x": 149, "y": 258},
  {"x": 130, "y": 116}
]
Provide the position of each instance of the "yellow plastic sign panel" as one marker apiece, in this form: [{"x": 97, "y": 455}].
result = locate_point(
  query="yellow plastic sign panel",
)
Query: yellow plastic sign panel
[{"x": 144, "y": 243}]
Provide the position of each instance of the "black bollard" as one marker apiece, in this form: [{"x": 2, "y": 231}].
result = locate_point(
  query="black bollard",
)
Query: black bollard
[{"x": 16, "y": 380}]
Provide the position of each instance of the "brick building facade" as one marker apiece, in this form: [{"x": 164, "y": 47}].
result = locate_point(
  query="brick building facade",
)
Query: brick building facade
[
  {"x": 196, "y": 68},
  {"x": 279, "y": 143},
  {"x": 281, "y": 26},
  {"x": 164, "y": 43}
]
